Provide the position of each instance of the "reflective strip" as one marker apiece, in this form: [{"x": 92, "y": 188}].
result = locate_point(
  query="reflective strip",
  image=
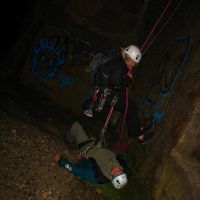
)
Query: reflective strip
[{"x": 68, "y": 167}]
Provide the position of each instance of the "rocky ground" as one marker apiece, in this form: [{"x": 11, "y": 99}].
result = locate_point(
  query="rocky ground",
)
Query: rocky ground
[{"x": 29, "y": 140}]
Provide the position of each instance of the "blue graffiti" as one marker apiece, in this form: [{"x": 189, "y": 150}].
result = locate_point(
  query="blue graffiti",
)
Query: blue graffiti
[
  {"x": 47, "y": 58},
  {"x": 157, "y": 116}
]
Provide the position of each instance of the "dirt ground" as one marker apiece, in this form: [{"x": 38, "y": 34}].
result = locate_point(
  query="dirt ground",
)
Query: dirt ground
[{"x": 29, "y": 140}]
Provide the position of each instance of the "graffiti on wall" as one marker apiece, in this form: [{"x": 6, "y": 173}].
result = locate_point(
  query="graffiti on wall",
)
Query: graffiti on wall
[
  {"x": 48, "y": 56},
  {"x": 162, "y": 84},
  {"x": 78, "y": 52}
]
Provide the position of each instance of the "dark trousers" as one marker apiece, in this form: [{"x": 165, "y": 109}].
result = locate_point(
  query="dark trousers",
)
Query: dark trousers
[{"x": 132, "y": 118}]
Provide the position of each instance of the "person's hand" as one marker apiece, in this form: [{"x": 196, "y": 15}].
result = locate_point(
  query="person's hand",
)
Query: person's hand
[
  {"x": 130, "y": 74},
  {"x": 57, "y": 157}
]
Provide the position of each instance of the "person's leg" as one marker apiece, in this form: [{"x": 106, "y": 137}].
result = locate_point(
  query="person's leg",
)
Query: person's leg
[
  {"x": 133, "y": 122},
  {"x": 79, "y": 133},
  {"x": 70, "y": 140},
  {"x": 132, "y": 119},
  {"x": 76, "y": 136}
]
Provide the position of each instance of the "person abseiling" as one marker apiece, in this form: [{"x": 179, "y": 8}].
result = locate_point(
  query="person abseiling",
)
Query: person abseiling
[
  {"x": 116, "y": 75},
  {"x": 96, "y": 164}
]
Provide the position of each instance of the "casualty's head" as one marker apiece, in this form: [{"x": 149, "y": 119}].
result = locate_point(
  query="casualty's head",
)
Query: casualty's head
[
  {"x": 132, "y": 55},
  {"x": 118, "y": 177}
]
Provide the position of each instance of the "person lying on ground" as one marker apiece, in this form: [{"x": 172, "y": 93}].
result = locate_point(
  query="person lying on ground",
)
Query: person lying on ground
[{"x": 96, "y": 164}]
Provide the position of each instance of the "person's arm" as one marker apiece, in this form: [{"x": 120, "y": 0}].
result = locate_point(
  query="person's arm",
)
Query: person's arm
[
  {"x": 116, "y": 79},
  {"x": 100, "y": 78},
  {"x": 83, "y": 169},
  {"x": 130, "y": 74},
  {"x": 127, "y": 79},
  {"x": 120, "y": 82}
]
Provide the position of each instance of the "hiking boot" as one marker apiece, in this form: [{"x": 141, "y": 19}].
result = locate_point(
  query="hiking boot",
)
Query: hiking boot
[{"x": 146, "y": 138}]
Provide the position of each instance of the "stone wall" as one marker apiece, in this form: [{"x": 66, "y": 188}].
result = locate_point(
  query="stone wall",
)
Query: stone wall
[{"x": 170, "y": 164}]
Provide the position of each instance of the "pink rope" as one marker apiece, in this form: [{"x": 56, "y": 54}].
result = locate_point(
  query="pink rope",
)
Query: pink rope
[
  {"x": 155, "y": 25},
  {"x": 108, "y": 117},
  {"x": 163, "y": 26},
  {"x": 94, "y": 97}
]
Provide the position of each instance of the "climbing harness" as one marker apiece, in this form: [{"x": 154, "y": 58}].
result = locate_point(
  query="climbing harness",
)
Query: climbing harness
[
  {"x": 89, "y": 112},
  {"x": 102, "y": 99}
]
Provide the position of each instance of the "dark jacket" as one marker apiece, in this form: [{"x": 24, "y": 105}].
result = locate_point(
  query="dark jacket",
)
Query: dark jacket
[
  {"x": 88, "y": 169},
  {"x": 112, "y": 74}
]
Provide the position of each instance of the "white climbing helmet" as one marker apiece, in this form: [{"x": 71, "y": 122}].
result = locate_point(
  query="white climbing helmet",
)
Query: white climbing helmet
[
  {"x": 134, "y": 53},
  {"x": 119, "y": 181}
]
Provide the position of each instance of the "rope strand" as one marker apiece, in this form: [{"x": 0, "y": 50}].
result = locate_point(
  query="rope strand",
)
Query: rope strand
[{"x": 156, "y": 24}]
